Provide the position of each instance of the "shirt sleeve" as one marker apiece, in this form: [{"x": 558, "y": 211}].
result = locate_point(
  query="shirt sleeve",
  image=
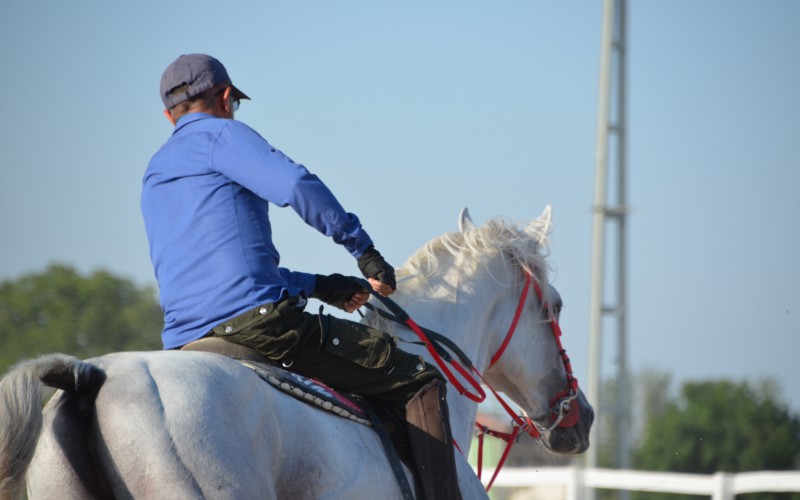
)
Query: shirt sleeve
[
  {"x": 242, "y": 155},
  {"x": 299, "y": 281}
]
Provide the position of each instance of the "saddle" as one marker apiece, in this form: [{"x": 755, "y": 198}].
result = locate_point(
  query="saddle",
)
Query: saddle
[{"x": 390, "y": 428}]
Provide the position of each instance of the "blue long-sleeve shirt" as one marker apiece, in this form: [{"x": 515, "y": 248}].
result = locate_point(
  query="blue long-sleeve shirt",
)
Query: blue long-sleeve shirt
[{"x": 205, "y": 205}]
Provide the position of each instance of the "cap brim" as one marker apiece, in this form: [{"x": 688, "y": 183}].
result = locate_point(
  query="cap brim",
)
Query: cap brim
[{"x": 238, "y": 93}]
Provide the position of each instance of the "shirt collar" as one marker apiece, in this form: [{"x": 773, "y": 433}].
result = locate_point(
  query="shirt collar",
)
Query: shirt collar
[{"x": 190, "y": 118}]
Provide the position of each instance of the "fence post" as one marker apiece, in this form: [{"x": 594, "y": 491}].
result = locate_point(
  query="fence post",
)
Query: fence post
[
  {"x": 574, "y": 486},
  {"x": 722, "y": 487}
]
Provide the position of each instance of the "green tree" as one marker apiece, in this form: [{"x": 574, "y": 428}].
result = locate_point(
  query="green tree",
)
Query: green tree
[
  {"x": 721, "y": 426},
  {"x": 59, "y": 310}
]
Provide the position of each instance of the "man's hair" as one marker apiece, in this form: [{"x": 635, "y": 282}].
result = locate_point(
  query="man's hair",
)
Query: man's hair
[{"x": 202, "y": 101}]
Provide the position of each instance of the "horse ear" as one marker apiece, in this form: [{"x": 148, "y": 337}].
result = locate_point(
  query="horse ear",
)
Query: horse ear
[
  {"x": 540, "y": 226},
  {"x": 465, "y": 221},
  {"x": 547, "y": 216}
]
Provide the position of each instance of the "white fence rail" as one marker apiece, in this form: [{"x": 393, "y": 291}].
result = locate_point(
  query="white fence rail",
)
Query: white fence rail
[{"x": 575, "y": 481}]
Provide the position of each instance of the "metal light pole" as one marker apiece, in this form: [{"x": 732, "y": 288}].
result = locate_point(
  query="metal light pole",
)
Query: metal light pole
[{"x": 611, "y": 92}]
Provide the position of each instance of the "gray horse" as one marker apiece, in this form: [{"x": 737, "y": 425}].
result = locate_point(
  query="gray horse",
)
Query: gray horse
[{"x": 185, "y": 425}]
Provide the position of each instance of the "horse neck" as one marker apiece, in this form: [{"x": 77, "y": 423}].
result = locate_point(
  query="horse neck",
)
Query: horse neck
[{"x": 457, "y": 302}]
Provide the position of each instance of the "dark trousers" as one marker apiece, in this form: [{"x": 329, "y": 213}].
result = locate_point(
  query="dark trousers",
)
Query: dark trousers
[{"x": 347, "y": 356}]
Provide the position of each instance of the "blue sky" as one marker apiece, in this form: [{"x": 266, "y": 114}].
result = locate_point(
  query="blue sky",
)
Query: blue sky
[{"x": 411, "y": 111}]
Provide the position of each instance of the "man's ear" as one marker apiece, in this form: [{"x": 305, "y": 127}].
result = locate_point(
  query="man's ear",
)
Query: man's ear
[
  {"x": 226, "y": 103},
  {"x": 169, "y": 117}
]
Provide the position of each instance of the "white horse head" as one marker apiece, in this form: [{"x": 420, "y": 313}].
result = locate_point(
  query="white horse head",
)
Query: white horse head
[{"x": 470, "y": 282}]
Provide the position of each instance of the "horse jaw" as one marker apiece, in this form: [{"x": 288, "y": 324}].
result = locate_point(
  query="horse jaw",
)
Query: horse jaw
[{"x": 465, "y": 221}]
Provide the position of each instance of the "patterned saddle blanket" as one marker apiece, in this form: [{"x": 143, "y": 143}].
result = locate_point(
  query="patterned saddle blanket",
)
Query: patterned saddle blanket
[{"x": 309, "y": 391}]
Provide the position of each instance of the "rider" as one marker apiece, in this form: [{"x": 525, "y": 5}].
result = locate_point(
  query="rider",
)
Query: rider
[{"x": 204, "y": 202}]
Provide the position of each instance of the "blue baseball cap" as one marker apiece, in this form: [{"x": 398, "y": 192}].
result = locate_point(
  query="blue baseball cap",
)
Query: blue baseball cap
[{"x": 199, "y": 72}]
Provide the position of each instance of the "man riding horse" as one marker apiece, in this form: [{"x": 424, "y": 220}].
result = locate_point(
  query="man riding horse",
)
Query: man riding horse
[{"x": 205, "y": 205}]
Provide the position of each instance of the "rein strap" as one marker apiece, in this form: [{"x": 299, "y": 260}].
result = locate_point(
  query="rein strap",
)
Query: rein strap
[{"x": 478, "y": 395}]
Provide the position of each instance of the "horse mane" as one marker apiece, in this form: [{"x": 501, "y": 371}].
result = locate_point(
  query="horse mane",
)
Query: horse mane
[{"x": 524, "y": 244}]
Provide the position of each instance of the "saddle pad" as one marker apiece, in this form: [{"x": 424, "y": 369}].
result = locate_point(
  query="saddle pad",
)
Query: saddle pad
[{"x": 309, "y": 391}]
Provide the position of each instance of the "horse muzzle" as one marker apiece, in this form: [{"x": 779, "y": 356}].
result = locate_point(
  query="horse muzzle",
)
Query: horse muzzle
[{"x": 571, "y": 434}]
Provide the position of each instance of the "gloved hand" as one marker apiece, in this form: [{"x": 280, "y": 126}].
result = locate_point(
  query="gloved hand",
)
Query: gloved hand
[
  {"x": 340, "y": 291},
  {"x": 372, "y": 265}
]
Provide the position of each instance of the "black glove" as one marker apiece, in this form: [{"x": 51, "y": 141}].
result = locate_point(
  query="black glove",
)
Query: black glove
[
  {"x": 372, "y": 265},
  {"x": 336, "y": 289}
]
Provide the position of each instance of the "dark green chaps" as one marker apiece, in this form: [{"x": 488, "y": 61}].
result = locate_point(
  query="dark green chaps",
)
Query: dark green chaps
[{"x": 347, "y": 356}]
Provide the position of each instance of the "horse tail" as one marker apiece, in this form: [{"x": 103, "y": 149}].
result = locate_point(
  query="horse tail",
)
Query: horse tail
[{"x": 21, "y": 396}]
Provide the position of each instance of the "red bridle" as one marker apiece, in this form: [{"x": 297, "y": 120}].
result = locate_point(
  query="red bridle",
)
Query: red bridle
[
  {"x": 564, "y": 411},
  {"x": 559, "y": 411}
]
